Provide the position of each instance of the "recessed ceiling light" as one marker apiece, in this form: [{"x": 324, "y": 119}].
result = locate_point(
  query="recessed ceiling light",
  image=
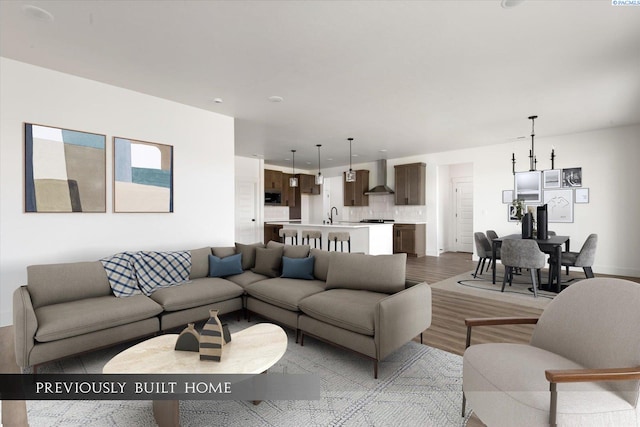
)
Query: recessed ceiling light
[
  {"x": 331, "y": 159},
  {"x": 355, "y": 155},
  {"x": 257, "y": 155},
  {"x": 217, "y": 100},
  {"x": 37, "y": 13},
  {"x": 507, "y": 4},
  {"x": 275, "y": 98},
  {"x": 384, "y": 150}
]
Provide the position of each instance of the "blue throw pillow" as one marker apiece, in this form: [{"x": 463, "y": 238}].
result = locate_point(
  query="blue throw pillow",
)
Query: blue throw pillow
[
  {"x": 227, "y": 266},
  {"x": 298, "y": 268}
]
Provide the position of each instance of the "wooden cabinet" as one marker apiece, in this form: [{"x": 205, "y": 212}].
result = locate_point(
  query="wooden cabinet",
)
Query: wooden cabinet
[
  {"x": 288, "y": 192},
  {"x": 410, "y": 239},
  {"x": 271, "y": 232},
  {"x": 354, "y": 191},
  {"x": 410, "y": 184},
  {"x": 272, "y": 180},
  {"x": 308, "y": 184}
]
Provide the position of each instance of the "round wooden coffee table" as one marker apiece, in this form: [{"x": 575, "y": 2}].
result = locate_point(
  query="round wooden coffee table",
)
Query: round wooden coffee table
[{"x": 251, "y": 351}]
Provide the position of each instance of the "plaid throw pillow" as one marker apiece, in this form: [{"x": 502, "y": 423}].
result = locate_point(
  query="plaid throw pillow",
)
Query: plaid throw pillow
[
  {"x": 122, "y": 278},
  {"x": 156, "y": 270}
]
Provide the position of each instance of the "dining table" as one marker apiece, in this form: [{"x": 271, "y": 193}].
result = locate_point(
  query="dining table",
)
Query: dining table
[{"x": 552, "y": 246}]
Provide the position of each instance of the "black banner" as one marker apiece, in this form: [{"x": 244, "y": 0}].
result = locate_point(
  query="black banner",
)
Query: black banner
[{"x": 159, "y": 387}]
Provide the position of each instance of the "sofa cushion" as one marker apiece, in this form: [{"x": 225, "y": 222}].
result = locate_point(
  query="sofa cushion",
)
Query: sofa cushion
[
  {"x": 222, "y": 267},
  {"x": 69, "y": 319},
  {"x": 248, "y": 254},
  {"x": 246, "y": 278},
  {"x": 57, "y": 283},
  {"x": 156, "y": 270},
  {"x": 268, "y": 261},
  {"x": 121, "y": 275},
  {"x": 320, "y": 263},
  {"x": 297, "y": 268},
  {"x": 225, "y": 251},
  {"x": 291, "y": 251},
  {"x": 345, "y": 308},
  {"x": 196, "y": 293},
  {"x": 376, "y": 273},
  {"x": 199, "y": 262},
  {"x": 284, "y": 293}
]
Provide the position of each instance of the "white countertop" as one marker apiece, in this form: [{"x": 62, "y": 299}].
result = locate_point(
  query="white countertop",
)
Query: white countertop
[{"x": 334, "y": 225}]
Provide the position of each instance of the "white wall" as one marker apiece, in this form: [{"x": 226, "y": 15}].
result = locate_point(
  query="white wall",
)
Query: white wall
[{"x": 203, "y": 164}]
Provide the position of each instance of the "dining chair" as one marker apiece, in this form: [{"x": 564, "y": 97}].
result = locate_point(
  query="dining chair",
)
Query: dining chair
[
  {"x": 584, "y": 258},
  {"x": 483, "y": 248},
  {"x": 492, "y": 235},
  {"x": 580, "y": 368},
  {"x": 522, "y": 253}
]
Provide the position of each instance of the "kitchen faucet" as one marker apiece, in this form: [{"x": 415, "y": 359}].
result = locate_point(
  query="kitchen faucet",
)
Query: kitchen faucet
[{"x": 331, "y": 214}]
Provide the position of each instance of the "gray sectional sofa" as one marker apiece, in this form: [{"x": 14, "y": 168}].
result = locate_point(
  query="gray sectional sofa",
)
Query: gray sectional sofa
[{"x": 356, "y": 301}]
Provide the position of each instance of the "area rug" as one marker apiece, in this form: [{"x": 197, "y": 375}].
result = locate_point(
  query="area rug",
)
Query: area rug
[
  {"x": 417, "y": 385},
  {"x": 521, "y": 291}
]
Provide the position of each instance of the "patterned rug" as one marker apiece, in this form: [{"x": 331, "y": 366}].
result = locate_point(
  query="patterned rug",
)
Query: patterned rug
[
  {"x": 520, "y": 292},
  {"x": 417, "y": 385}
]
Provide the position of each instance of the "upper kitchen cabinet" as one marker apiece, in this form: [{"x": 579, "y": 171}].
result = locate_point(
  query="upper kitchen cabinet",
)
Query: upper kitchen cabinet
[
  {"x": 410, "y": 184},
  {"x": 288, "y": 192},
  {"x": 354, "y": 191},
  {"x": 272, "y": 180},
  {"x": 308, "y": 184}
]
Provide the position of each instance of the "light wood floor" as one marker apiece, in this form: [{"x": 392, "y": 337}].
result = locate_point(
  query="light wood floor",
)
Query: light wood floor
[{"x": 447, "y": 331}]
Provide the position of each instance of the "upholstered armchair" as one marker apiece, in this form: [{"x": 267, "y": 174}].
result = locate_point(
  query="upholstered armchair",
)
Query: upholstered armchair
[{"x": 581, "y": 367}]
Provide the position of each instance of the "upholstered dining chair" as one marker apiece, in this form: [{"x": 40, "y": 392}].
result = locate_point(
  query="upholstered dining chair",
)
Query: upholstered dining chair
[
  {"x": 581, "y": 367},
  {"x": 522, "y": 253},
  {"x": 584, "y": 258},
  {"x": 492, "y": 235},
  {"x": 483, "y": 248}
]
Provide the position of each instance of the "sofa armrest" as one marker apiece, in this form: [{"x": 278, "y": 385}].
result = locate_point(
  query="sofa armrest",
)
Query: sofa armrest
[
  {"x": 410, "y": 283},
  {"x": 25, "y": 325},
  {"x": 401, "y": 317}
]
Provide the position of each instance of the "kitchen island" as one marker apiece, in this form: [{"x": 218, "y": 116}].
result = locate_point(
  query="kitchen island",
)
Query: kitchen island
[{"x": 372, "y": 239}]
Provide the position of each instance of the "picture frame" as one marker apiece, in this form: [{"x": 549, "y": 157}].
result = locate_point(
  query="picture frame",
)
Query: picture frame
[
  {"x": 507, "y": 196},
  {"x": 142, "y": 176},
  {"x": 511, "y": 214},
  {"x": 551, "y": 178},
  {"x": 559, "y": 205},
  {"x": 65, "y": 170},
  {"x": 581, "y": 195},
  {"x": 572, "y": 177},
  {"x": 528, "y": 187}
]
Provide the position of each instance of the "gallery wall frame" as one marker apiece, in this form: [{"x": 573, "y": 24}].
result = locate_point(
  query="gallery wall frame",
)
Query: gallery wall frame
[
  {"x": 559, "y": 205},
  {"x": 511, "y": 214},
  {"x": 551, "y": 178},
  {"x": 65, "y": 170},
  {"x": 572, "y": 177},
  {"x": 142, "y": 176},
  {"x": 507, "y": 196},
  {"x": 528, "y": 186},
  {"x": 582, "y": 195}
]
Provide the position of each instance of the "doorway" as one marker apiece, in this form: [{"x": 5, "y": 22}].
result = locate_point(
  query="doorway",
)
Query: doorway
[
  {"x": 463, "y": 214},
  {"x": 246, "y": 223}
]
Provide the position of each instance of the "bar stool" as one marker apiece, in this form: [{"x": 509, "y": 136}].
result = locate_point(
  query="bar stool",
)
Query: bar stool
[
  {"x": 312, "y": 234},
  {"x": 339, "y": 236},
  {"x": 288, "y": 232}
]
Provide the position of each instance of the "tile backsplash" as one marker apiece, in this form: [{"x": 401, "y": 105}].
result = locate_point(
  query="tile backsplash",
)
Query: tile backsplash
[{"x": 383, "y": 207}]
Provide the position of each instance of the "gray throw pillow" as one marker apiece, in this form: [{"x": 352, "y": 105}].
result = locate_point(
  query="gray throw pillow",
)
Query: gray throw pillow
[
  {"x": 376, "y": 273},
  {"x": 248, "y": 254},
  {"x": 268, "y": 262},
  {"x": 291, "y": 251}
]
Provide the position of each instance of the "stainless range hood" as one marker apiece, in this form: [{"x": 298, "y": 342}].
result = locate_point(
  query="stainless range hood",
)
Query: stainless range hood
[{"x": 382, "y": 188}]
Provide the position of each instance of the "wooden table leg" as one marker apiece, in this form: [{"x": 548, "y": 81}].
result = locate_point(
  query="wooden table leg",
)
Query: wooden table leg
[{"x": 166, "y": 413}]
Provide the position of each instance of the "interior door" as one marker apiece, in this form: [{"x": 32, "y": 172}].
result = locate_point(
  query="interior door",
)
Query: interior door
[
  {"x": 463, "y": 192},
  {"x": 246, "y": 227}
]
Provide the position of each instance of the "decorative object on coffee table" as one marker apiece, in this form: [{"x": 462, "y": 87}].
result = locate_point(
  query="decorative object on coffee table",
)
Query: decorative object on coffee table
[
  {"x": 225, "y": 333},
  {"x": 211, "y": 340},
  {"x": 189, "y": 339}
]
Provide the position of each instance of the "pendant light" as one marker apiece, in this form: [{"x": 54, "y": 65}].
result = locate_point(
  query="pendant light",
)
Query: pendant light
[
  {"x": 319, "y": 177},
  {"x": 293, "y": 181},
  {"x": 351, "y": 175}
]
